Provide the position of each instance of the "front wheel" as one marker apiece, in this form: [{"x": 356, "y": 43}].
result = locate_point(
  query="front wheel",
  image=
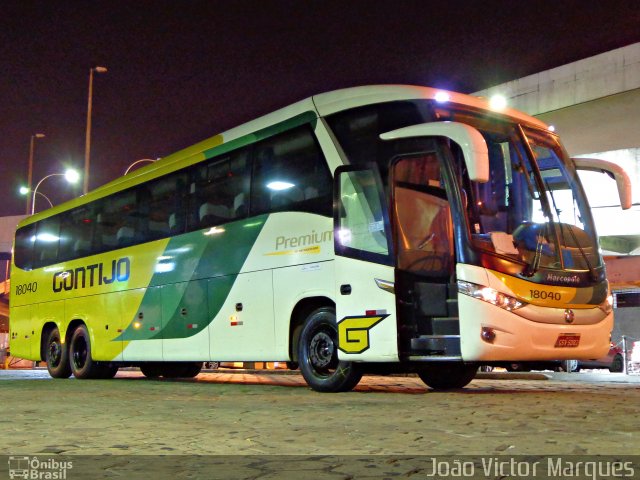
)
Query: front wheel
[
  {"x": 56, "y": 355},
  {"x": 447, "y": 376},
  {"x": 318, "y": 354},
  {"x": 570, "y": 366}
]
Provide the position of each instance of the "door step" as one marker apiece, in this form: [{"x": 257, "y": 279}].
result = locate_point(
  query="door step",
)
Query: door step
[
  {"x": 436, "y": 345},
  {"x": 446, "y": 325}
]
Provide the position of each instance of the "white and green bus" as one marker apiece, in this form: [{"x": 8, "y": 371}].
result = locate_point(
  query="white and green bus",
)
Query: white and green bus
[{"x": 370, "y": 229}]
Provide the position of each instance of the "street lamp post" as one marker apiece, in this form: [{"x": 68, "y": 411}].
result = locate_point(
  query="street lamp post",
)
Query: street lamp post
[
  {"x": 30, "y": 168},
  {"x": 28, "y": 192},
  {"x": 87, "y": 146},
  {"x": 70, "y": 175}
]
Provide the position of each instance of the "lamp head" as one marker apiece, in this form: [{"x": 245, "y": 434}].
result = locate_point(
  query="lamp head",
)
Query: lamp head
[
  {"x": 100, "y": 69},
  {"x": 23, "y": 190},
  {"x": 71, "y": 175}
]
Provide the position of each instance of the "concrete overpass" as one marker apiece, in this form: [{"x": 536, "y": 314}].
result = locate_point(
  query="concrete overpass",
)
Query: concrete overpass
[{"x": 594, "y": 105}]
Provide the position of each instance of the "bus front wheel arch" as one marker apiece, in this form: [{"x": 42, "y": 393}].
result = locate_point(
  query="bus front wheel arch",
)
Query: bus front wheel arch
[
  {"x": 299, "y": 316},
  {"x": 318, "y": 354}
]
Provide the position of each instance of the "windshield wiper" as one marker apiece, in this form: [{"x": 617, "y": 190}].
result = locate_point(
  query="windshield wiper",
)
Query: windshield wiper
[
  {"x": 531, "y": 268},
  {"x": 573, "y": 235}
]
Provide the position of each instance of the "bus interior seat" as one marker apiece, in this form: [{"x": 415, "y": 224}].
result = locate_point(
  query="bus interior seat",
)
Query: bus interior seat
[
  {"x": 211, "y": 214},
  {"x": 81, "y": 247},
  {"x": 109, "y": 241},
  {"x": 283, "y": 198},
  {"x": 125, "y": 235},
  {"x": 173, "y": 223},
  {"x": 239, "y": 206},
  {"x": 158, "y": 229}
]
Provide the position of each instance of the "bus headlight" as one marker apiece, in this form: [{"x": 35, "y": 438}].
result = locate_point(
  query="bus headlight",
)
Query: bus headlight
[{"x": 489, "y": 295}]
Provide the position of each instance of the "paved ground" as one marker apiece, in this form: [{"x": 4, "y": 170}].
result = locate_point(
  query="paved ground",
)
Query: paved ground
[{"x": 264, "y": 414}]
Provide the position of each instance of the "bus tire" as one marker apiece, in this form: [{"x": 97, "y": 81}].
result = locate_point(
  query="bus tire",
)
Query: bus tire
[
  {"x": 318, "y": 354},
  {"x": 179, "y": 369},
  {"x": 447, "y": 376},
  {"x": 108, "y": 371},
  {"x": 82, "y": 365},
  {"x": 151, "y": 369},
  {"x": 56, "y": 354}
]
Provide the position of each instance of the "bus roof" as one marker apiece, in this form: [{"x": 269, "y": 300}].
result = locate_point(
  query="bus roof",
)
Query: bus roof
[{"x": 318, "y": 105}]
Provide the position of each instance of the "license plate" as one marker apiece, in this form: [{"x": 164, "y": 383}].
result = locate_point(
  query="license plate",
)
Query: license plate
[{"x": 568, "y": 340}]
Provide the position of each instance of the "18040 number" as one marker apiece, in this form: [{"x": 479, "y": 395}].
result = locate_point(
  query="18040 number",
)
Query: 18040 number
[
  {"x": 26, "y": 288},
  {"x": 543, "y": 295}
]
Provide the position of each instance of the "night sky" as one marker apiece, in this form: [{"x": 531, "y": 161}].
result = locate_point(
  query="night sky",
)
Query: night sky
[{"x": 181, "y": 71}]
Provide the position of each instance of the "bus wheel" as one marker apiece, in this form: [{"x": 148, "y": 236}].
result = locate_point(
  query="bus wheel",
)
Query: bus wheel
[
  {"x": 179, "y": 369},
  {"x": 56, "y": 355},
  {"x": 108, "y": 371},
  {"x": 151, "y": 369},
  {"x": 445, "y": 376},
  {"x": 318, "y": 355},
  {"x": 82, "y": 365}
]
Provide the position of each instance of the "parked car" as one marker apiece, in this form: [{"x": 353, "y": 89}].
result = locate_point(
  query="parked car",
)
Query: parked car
[{"x": 613, "y": 360}]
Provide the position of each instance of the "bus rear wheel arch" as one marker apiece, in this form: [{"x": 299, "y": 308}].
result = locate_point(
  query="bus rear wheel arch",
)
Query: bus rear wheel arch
[
  {"x": 81, "y": 362},
  {"x": 318, "y": 354}
]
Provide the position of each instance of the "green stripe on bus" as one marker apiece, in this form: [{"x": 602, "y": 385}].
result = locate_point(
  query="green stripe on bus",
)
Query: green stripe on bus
[
  {"x": 271, "y": 130},
  {"x": 220, "y": 253}
]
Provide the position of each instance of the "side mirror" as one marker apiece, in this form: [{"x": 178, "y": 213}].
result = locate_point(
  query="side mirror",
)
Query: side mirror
[
  {"x": 473, "y": 146},
  {"x": 615, "y": 171}
]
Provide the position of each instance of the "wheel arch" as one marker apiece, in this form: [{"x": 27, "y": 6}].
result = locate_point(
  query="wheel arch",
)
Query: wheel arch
[
  {"x": 299, "y": 314},
  {"x": 75, "y": 323},
  {"x": 66, "y": 334},
  {"x": 46, "y": 330}
]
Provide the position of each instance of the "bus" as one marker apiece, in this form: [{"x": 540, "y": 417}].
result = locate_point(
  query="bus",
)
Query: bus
[{"x": 370, "y": 229}]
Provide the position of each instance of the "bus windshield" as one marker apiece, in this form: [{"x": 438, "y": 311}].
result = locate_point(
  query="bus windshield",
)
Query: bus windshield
[{"x": 533, "y": 208}]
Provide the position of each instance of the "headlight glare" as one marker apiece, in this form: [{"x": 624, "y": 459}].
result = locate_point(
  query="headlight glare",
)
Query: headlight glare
[{"x": 489, "y": 295}]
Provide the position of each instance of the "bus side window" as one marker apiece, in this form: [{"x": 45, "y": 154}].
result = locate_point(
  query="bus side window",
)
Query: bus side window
[
  {"x": 76, "y": 233},
  {"x": 219, "y": 188},
  {"x": 290, "y": 173},
  {"x": 23, "y": 250},
  {"x": 162, "y": 206},
  {"x": 47, "y": 241}
]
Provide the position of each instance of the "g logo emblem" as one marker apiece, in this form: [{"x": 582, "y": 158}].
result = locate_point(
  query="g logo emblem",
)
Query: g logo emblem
[{"x": 353, "y": 332}]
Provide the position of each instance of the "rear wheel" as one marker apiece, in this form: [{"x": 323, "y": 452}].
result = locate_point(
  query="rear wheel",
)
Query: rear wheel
[
  {"x": 318, "y": 354},
  {"x": 618, "y": 364},
  {"x": 82, "y": 365},
  {"x": 56, "y": 354},
  {"x": 446, "y": 376}
]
